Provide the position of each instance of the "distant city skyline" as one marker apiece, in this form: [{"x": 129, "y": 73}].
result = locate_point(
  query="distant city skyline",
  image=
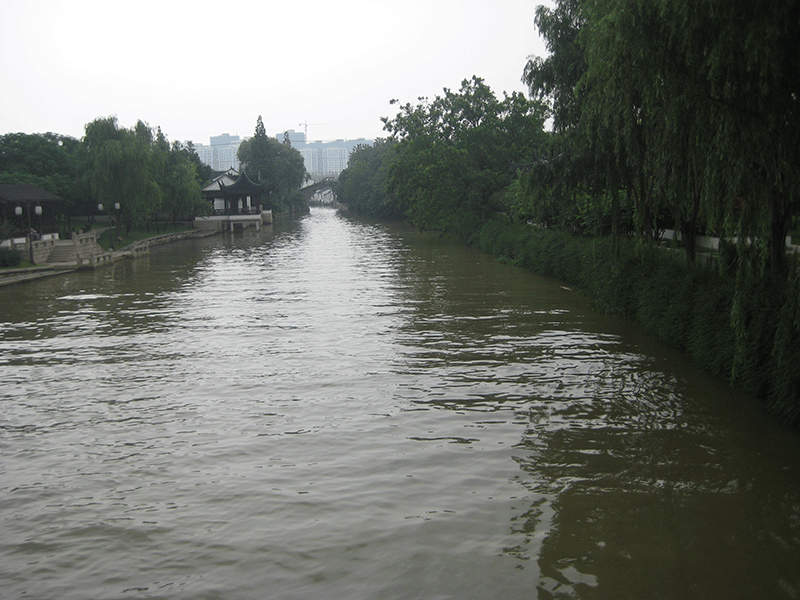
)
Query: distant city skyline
[{"x": 321, "y": 158}]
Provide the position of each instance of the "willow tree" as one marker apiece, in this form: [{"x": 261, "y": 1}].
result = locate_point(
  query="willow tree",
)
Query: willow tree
[
  {"x": 639, "y": 111},
  {"x": 702, "y": 99},
  {"x": 554, "y": 78},
  {"x": 751, "y": 69},
  {"x": 576, "y": 184},
  {"x": 117, "y": 163},
  {"x": 181, "y": 186}
]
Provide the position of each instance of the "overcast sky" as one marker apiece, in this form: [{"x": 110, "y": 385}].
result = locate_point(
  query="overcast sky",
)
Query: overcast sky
[{"x": 201, "y": 68}]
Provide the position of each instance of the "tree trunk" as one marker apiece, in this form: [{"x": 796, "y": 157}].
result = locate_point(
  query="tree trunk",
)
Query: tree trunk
[
  {"x": 689, "y": 230},
  {"x": 779, "y": 218},
  {"x": 615, "y": 220}
]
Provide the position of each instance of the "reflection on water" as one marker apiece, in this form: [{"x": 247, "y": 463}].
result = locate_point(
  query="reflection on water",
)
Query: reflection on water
[{"x": 337, "y": 409}]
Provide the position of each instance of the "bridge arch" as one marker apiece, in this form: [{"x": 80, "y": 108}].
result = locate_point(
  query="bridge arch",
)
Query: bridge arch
[{"x": 318, "y": 186}]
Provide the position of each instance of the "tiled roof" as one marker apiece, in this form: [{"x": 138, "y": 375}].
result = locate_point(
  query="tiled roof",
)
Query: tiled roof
[{"x": 26, "y": 193}]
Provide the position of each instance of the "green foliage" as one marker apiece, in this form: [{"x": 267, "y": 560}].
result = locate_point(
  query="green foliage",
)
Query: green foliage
[
  {"x": 48, "y": 160},
  {"x": 281, "y": 166},
  {"x": 555, "y": 78},
  {"x": 141, "y": 171},
  {"x": 181, "y": 185},
  {"x": 10, "y": 257},
  {"x": 457, "y": 153},
  {"x": 121, "y": 166},
  {"x": 681, "y": 115},
  {"x": 786, "y": 350},
  {"x": 204, "y": 172},
  {"x": 363, "y": 185},
  {"x": 685, "y": 306},
  {"x": 135, "y": 167},
  {"x": 690, "y": 108},
  {"x": 39, "y": 155}
]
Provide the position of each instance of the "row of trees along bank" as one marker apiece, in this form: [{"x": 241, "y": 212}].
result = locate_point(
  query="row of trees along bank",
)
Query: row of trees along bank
[
  {"x": 139, "y": 169},
  {"x": 664, "y": 114}
]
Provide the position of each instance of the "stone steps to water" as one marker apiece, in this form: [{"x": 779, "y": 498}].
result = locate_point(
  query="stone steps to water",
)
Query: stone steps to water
[
  {"x": 66, "y": 252},
  {"x": 94, "y": 248},
  {"x": 62, "y": 254}
]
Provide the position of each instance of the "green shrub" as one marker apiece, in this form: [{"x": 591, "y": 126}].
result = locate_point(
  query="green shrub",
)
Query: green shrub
[
  {"x": 10, "y": 257},
  {"x": 745, "y": 330}
]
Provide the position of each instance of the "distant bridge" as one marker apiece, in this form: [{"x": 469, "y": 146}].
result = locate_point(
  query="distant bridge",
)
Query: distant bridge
[{"x": 319, "y": 186}]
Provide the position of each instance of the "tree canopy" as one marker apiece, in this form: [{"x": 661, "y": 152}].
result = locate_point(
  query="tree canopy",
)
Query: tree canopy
[
  {"x": 48, "y": 160},
  {"x": 264, "y": 158},
  {"x": 363, "y": 185},
  {"x": 688, "y": 110},
  {"x": 452, "y": 157},
  {"x": 138, "y": 169}
]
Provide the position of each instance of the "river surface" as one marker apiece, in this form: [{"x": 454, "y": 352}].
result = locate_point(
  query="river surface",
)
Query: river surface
[{"x": 335, "y": 409}]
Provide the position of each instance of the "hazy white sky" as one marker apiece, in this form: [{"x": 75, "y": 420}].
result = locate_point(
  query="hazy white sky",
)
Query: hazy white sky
[{"x": 202, "y": 68}]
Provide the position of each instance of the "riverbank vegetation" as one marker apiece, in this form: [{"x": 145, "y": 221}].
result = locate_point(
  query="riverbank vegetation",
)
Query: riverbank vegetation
[
  {"x": 136, "y": 168},
  {"x": 139, "y": 171},
  {"x": 10, "y": 258},
  {"x": 134, "y": 175},
  {"x": 280, "y": 165},
  {"x": 663, "y": 115}
]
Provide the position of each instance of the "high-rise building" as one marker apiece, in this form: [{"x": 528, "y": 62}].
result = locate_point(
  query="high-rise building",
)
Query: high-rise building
[
  {"x": 222, "y": 154},
  {"x": 295, "y": 137},
  {"x": 206, "y": 154},
  {"x": 224, "y": 139},
  {"x": 322, "y": 159}
]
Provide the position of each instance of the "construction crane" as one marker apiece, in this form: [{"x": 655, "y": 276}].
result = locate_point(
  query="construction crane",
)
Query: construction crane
[{"x": 305, "y": 126}]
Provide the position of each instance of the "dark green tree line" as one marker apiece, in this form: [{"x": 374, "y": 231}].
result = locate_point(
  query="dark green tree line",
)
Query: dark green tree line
[
  {"x": 266, "y": 159},
  {"x": 687, "y": 110},
  {"x": 685, "y": 115},
  {"x": 363, "y": 185},
  {"x": 454, "y": 156},
  {"x": 48, "y": 160},
  {"x": 138, "y": 169}
]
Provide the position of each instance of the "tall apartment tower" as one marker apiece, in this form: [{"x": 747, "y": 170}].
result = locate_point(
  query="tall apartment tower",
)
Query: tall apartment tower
[
  {"x": 222, "y": 154},
  {"x": 322, "y": 159}
]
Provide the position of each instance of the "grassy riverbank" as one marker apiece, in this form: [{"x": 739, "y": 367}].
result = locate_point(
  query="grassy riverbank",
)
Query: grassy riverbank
[{"x": 737, "y": 325}]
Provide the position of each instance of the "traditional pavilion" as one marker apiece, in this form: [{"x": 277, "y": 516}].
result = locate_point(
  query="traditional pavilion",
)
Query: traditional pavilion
[
  {"x": 28, "y": 207},
  {"x": 236, "y": 200},
  {"x": 234, "y": 193}
]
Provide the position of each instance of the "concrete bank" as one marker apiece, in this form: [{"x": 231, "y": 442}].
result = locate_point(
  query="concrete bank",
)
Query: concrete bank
[{"x": 66, "y": 259}]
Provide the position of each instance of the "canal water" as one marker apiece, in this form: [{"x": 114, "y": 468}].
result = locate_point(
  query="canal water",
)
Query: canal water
[{"x": 334, "y": 409}]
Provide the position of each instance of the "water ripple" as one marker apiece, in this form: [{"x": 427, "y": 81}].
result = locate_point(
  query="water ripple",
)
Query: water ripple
[{"x": 337, "y": 409}]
